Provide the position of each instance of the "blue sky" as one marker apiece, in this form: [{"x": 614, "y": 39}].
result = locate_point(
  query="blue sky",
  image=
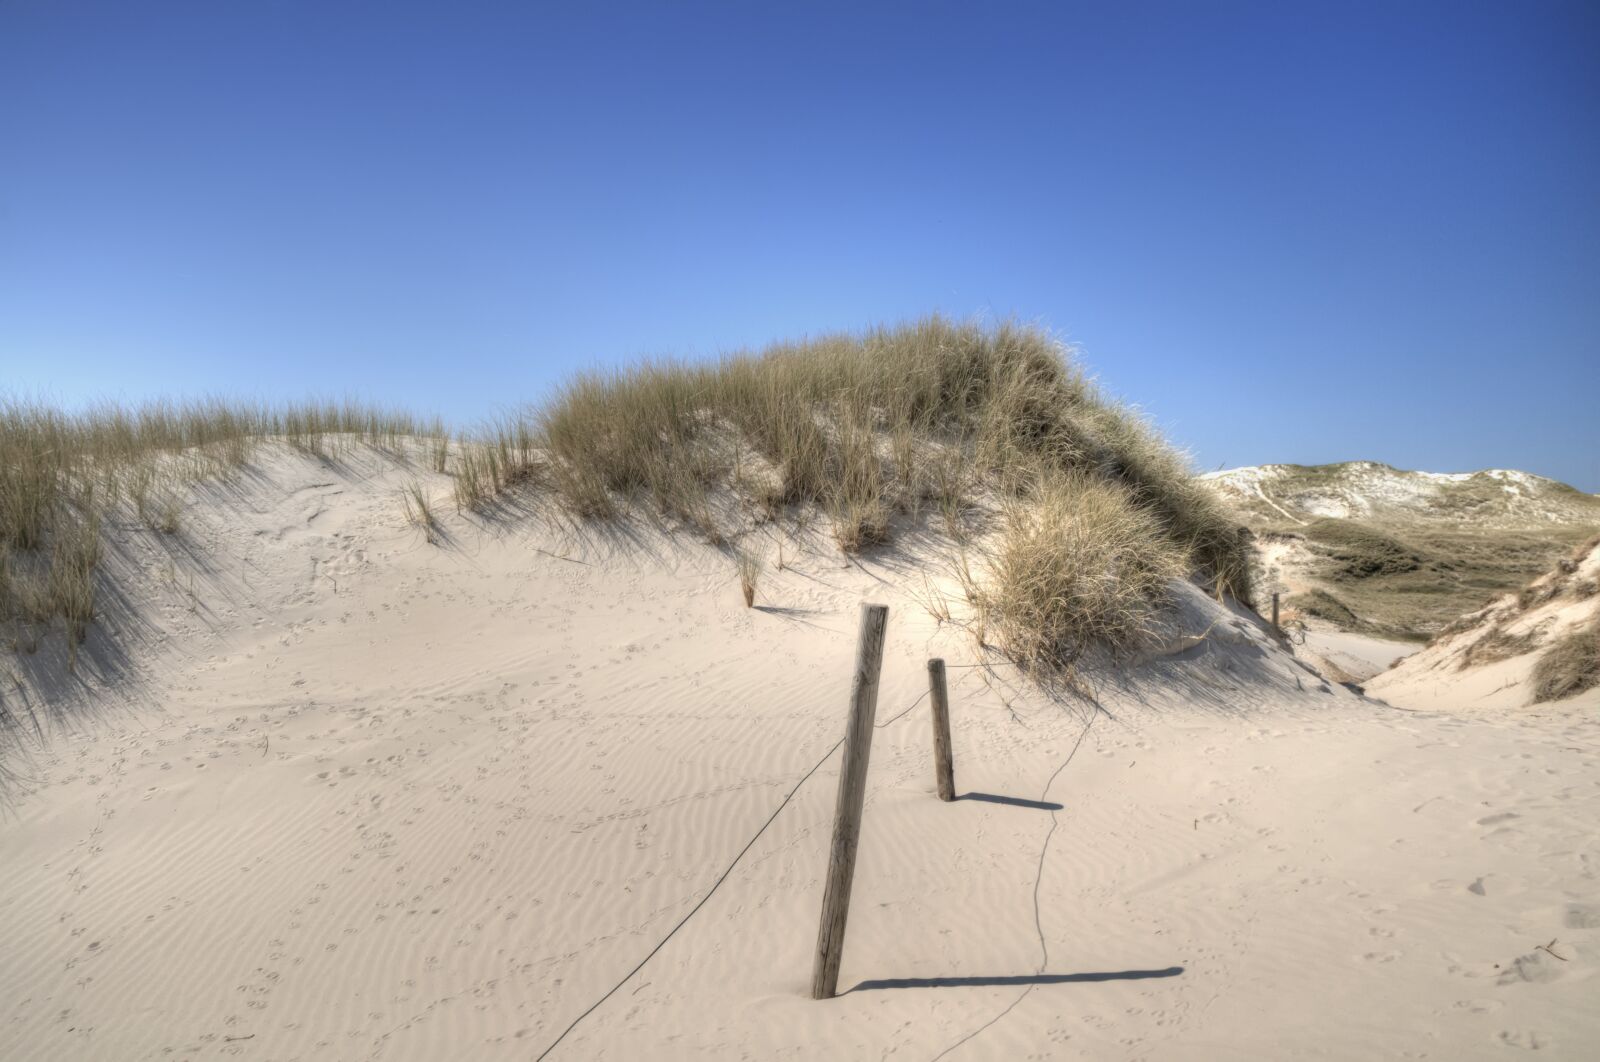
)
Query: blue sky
[{"x": 1289, "y": 232}]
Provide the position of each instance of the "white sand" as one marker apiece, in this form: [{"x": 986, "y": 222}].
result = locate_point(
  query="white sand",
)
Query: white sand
[
  {"x": 1358, "y": 656},
  {"x": 360, "y": 797}
]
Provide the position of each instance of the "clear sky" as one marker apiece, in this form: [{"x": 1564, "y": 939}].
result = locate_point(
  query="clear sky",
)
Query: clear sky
[{"x": 1290, "y": 232}]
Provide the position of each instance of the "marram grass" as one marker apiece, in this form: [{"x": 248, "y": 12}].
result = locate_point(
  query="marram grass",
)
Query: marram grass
[{"x": 1098, "y": 512}]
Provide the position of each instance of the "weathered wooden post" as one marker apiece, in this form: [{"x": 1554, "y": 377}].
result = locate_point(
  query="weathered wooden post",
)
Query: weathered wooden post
[
  {"x": 852, "y": 792},
  {"x": 943, "y": 761},
  {"x": 1277, "y": 629}
]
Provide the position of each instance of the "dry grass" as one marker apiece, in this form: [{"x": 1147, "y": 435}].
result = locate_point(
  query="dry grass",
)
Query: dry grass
[
  {"x": 1078, "y": 563},
  {"x": 1497, "y": 644},
  {"x": 1097, "y": 509},
  {"x": 64, "y": 475},
  {"x": 419, "y": 511},
  {"x": 750, "y": 567},
  {"x": 863, "y": 426},
  {"x": 502, "y": 455},
  {"x": 1569, "y": 665}
]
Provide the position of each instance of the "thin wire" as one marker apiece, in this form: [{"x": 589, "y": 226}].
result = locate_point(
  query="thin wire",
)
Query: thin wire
[
  {"x": 718, "y": 883},
  {"x": 1038, "y": 877},
  {"x": 903, "y": 711}
]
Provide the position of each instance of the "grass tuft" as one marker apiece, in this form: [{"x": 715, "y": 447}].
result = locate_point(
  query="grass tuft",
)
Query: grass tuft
[
  {"x": 1569, "y": 665},
  {"x": 750, "y": 568},
  {"x": 419, "y": 511},
  {"x": 1079, "y": 563}
]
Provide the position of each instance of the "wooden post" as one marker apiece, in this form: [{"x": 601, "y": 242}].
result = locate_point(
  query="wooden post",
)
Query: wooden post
[
  {"x": 852, "y": 792},
  {"x": 1275, "y": 626},
  {"x": 943, "y": 762}
]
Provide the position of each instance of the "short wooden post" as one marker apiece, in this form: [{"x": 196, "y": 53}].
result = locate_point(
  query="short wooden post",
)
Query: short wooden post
[
  {"x": 943, "y": 762},
  {"x": 1275, "y": 626},
  {"x": 852, "y": 792}
]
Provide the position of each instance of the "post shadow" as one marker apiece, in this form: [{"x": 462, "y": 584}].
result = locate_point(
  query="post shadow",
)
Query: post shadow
[
  {"x": 1009, "y": 801},
  {"x": 1017, "y": 979}
]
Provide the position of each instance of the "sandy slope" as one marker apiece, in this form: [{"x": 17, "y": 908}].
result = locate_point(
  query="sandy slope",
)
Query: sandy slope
[
  {"x": 1352, "y": 657},
  {"x": 354, "y": 796},
  {"x": 1456, "y": 672}
]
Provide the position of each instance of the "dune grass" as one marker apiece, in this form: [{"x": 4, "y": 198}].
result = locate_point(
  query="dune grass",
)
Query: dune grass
[
  {"x": 1569, "y": 665},
  {"x": 63, "y": 475},
  {"x": 1078, "y": 563},
  {"x": 863, "y": 427},
  {"x": 419, "y": 510},
  {"x": 859, "y": 429},
  {"x": 750, "y": 566},
  {"x": 502, "y": 454}
]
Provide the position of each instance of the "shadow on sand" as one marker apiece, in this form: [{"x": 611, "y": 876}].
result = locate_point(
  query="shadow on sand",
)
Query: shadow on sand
[
  {"x": 1014, "y": 802},
  {"x": 1016, "y": 979}
]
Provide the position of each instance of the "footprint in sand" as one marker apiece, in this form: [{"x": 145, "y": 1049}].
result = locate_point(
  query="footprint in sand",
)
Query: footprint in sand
[
  {"x": 1582, "y": 916},
  {"x": 1536, "y": 967},
  {"x": 1532, "y": 1041}
]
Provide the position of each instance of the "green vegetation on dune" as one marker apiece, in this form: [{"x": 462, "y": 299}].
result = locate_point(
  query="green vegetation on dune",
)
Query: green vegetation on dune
[
  {"x": 1414, "y": 550},
  {"x": 1413, "y": 582},
  {"x": 1353, "y": 550},
  {"x": 1325, "y": 606}
]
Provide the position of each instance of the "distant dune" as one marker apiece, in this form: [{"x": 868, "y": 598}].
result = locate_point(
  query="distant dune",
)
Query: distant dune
[
  {"x": 1538, "y": 646},
  {"x": 1366, "y": 548}
]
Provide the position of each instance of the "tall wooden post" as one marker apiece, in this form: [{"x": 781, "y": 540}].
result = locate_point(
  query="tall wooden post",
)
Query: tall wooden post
[
  {"x": 943, "y": 761},
  {"x": 1275, "y": 626},
  {"x": 852, "y": 792}
]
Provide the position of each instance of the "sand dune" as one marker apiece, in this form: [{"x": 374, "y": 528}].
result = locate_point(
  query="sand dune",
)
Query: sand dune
[
  {"x": 1363, "y": 548},
  {"x": 346, "y": 794}
]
